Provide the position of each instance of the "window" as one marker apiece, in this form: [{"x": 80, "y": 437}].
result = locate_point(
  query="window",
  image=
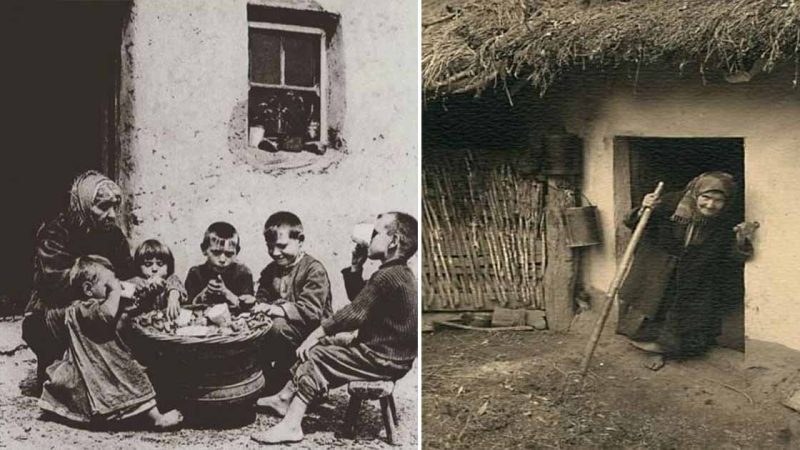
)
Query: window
[{"x": 288, "y": 82}]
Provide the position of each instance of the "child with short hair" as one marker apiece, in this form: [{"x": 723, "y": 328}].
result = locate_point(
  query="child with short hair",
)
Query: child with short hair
[
  {"x": 294, "y": 290},
  {"x": 98, "y": 380},
  {"x": 157, "y": 285},
  {"x": 383, "y": 310},
  {"x": 221, "y": 279}
]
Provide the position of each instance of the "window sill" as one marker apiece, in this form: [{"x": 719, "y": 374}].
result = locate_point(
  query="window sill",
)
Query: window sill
[{"x": 285, "y": 161}]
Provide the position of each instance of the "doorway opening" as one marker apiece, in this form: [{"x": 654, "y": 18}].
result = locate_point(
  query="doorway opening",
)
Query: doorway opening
[
  {"x": 60, "y": 87},
  {"x": 641, "y": 162}
]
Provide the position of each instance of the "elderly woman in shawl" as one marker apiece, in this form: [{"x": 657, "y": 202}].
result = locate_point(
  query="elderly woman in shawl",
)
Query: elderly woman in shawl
[
  {"x": 670, "y": 302},
  {"x": 87, "y": 227}
]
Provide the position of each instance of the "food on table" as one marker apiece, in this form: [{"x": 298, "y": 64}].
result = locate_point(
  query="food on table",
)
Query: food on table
[{"x": 197, "y": 322}]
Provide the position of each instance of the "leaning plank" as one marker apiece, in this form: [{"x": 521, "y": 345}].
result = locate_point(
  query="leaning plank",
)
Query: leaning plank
[{"x": 559, "y": 274}]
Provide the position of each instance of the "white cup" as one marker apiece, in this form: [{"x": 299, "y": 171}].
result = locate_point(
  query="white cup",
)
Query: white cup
[{"x": 362, "y": 233}]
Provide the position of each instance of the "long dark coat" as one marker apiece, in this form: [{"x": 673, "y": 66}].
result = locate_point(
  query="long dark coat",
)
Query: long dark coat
[{"x": 673, "y": 294}]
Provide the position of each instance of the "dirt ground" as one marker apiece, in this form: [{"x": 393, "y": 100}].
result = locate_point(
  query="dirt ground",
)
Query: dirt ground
[
  {"x": 519, "y": 390},
  {"x": 23, "y": 427}
]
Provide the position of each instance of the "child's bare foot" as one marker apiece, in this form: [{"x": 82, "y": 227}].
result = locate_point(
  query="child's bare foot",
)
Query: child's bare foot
[
  {"x": 654, "y": 361},
  {"x": 168, "y": 420},
  {"x": 275, "y": 404},
  {"x": 280, "y": 433}
]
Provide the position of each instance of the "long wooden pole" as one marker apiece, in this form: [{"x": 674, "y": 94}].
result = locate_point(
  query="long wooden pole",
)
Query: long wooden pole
[{"x": 622, "y": 270}]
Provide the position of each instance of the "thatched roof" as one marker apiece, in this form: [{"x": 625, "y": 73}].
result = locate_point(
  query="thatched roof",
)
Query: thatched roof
[{"x": 469, "y": 45}]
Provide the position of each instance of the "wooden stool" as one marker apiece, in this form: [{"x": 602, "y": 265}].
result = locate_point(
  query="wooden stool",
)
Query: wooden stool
[{"x": 372, "y": 390}]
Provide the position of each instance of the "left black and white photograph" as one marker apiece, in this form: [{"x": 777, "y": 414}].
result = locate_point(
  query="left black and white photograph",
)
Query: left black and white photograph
[{"x": 212, "y": 211}]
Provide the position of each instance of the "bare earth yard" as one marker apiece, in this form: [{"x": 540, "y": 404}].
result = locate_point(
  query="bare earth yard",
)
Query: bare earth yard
[
  {"x": 515, "y": 390},
  {"x": 23, "y": 427}
]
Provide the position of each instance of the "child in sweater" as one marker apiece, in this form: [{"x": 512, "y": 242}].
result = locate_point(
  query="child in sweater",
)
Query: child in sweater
[
  {"x": 383, "y": 310},
  {"x": 98, "y": 380}
]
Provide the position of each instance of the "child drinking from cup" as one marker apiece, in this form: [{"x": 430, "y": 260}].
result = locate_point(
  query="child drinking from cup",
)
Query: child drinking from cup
[{"x": 383, "y": 311}]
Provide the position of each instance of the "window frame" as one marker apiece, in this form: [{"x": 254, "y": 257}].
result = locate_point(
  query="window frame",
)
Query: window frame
[{"x": 323, "y": 69}]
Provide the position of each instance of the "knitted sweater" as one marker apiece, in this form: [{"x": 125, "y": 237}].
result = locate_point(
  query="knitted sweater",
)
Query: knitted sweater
[{"x": 383, "y": 310}]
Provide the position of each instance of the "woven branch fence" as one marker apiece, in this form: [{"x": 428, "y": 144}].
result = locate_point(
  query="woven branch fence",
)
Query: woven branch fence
[{"x": 482, "y": 238}]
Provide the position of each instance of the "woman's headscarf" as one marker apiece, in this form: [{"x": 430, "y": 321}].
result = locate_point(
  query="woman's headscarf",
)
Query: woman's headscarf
[
  {"x": 687, "y": 211},
  {"x": 89, "y": 188}
]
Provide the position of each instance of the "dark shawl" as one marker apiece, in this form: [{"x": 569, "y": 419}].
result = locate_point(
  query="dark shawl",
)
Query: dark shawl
[{"x": 58, "y": 244}]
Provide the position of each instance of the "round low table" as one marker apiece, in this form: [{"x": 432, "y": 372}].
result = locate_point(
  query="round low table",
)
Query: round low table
[{"x": 212, "y": 380}]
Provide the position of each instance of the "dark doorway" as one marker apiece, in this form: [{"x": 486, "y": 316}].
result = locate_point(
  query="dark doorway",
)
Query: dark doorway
[
  {"x": 60, "y": 81},
  {"x": 676, "y": 161}
]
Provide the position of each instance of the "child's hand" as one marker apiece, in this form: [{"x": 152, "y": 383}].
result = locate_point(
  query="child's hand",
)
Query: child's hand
[
  {"x": 309, "y": 343},
  {"x": 359, "y": 257},
  {"x": 260, "y": 307},
  {"x": 247, "y": 299},
  {"x": 217, "y": 288},
  {"x": 275, "y": 311},
  {"x": 305, "y": 346},
  {"x": 173, "y": 305}
]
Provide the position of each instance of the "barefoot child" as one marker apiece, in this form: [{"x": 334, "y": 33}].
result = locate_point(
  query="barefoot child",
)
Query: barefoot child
[
  {"x": 98, "y": 380},
  {"x": 294, "y": 290},
  {"x": 157, "y": 286},
  {"x": 221, "y": 279},
  {"x": 384, "y": 311}
]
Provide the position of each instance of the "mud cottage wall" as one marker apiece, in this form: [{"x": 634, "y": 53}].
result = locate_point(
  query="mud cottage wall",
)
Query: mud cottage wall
[{"x": 764, "y": 113}]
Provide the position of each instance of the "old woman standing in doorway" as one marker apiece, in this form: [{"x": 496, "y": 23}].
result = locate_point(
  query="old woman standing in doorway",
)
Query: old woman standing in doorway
[
  {"x": 670, "y": 303},
  {"x": 87, "y": 227}
]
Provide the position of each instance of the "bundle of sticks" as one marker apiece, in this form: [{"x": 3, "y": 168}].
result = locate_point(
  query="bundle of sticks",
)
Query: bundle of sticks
[{"x": 481, "y": 229}]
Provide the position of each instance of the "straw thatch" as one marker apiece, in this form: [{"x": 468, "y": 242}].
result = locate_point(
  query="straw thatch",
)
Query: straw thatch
[{"x": 468, "y": 45}]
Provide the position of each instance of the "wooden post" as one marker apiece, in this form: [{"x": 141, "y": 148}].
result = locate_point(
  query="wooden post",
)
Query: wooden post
[{"x": 560, "y": 270}]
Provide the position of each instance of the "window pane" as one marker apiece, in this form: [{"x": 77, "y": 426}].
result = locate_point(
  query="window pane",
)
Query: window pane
[
  {"x": 284, "y": 111},
  {"x": 265, "y": 56},
  {"x": 302, "y": 59}
]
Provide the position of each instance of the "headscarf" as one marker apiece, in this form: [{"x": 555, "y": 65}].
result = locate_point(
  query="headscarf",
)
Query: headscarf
[
  {"x": 687, "y": 211},
  {"x": 89, "y": 188}
]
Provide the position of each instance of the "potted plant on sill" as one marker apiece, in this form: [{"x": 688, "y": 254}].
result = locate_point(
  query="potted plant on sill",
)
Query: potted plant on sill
[{"x": 297, "y": 118}]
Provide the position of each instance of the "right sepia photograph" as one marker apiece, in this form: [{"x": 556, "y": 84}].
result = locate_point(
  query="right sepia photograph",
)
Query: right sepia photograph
[{"x": 609, "y": 224}]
